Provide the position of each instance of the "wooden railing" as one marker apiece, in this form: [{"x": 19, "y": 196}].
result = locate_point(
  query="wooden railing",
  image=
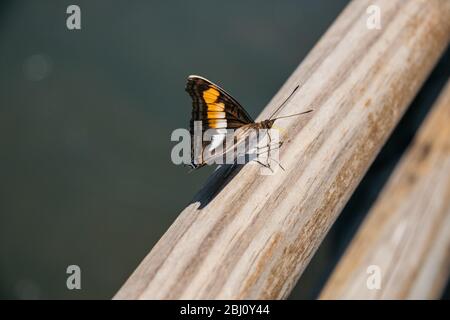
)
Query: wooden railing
[
  {"x": 250, "y": 236},
  {"x": 406, "y": 236}
]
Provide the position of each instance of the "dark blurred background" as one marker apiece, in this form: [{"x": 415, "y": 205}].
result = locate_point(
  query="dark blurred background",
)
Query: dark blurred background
[{"x": 86, "y": 118}]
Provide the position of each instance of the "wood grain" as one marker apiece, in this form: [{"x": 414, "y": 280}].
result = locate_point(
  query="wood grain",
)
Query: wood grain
[
  {"x": 407, "y": 232},
  {"x": 250, "y": 236}
]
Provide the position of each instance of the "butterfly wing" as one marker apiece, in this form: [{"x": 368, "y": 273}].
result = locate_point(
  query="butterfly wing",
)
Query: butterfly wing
[
  {"x": 215, "y": 109},
  {"x": 214, "y": 106}
]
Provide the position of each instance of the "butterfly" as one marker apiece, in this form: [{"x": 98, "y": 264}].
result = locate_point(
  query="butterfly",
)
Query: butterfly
[{"x": 216, "y": 110}]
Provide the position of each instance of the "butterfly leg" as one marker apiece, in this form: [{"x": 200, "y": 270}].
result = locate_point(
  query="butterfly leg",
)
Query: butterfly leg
[
  {"x": 259, "y": 153},
  {"x": 270, "y": 147},
  {"x": 274, "y": 146},
  {"x": 265, "y": 165},
  {"x": 278, "y": 162}
]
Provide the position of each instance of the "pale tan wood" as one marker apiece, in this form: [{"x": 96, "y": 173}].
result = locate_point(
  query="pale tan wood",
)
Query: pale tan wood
[
  {"x": 253, "y": 235},
  {"x": 407, "y": 232}
]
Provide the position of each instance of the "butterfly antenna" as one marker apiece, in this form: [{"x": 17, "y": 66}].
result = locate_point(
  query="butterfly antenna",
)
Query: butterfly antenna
[
  {"x": 293, "y": 115},
  {"x": 284, "y": 102}
]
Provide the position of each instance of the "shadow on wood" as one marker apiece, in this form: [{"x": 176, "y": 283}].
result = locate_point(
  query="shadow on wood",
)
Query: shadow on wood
[{"x": 215, "y": 183}]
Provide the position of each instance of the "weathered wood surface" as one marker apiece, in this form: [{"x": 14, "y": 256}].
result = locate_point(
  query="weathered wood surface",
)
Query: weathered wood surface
[
  {"x": 250, "y": 236},
  {"x": 407, "y": 233}
]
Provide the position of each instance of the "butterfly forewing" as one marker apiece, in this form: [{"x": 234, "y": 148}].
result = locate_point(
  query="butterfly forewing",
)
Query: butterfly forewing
[
  {"x": 215, "y": 109},
  {"x": 214, "y": 106}
]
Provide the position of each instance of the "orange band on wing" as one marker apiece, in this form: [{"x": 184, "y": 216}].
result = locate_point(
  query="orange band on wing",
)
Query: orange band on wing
[
  {"x": 217, "y": 107},
  {"x": 210, "y": 95},
  {"x": 217, "y": 123},
  {"x": 216, "y": 115}
]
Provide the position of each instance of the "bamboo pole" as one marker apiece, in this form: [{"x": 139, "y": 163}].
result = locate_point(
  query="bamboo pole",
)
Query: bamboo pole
[
  {"x": 407, "y": 233},
  {"x": 250, "y": 236}
]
